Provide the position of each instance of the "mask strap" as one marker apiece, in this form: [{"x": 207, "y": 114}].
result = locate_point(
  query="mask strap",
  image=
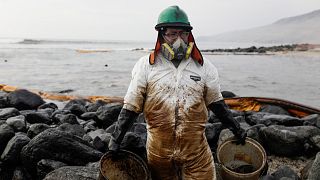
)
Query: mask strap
[
  {"x": 195, "y": 53},
  {"x": 167, "y": 51},
  {"x": 189, "y": 49}
]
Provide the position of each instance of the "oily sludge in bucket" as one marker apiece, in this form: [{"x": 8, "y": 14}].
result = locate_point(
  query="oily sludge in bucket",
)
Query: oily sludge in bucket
[
  {"x": 125, "y": 166},
  {"x": 241, "y": 161}
]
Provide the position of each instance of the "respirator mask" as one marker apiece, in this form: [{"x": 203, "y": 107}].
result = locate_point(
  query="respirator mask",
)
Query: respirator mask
[{"x": 179, "y": 50}]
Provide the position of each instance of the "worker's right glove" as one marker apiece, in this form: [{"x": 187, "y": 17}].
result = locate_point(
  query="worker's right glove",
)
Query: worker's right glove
[{"x": 125, "y": 121}]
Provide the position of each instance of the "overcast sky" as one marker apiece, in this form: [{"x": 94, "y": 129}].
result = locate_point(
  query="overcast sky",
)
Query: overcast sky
[{"x": 135, "y": 19}]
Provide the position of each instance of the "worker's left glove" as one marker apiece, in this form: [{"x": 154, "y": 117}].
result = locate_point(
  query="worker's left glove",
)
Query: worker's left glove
[
  {"x": 125, "y": 121},
  {"x": 221, "y": 110},
  {"x": 240, "y": 135}
]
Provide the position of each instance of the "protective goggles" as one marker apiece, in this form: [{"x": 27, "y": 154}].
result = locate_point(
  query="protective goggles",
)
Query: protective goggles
[{"x": 175, "y": 35}]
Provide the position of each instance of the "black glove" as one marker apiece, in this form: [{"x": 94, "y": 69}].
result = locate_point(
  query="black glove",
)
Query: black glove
[
  {"x": 221, "y": 110},
  {"x": 241, "y": 135},
  {"x": 125, "y": 121}
]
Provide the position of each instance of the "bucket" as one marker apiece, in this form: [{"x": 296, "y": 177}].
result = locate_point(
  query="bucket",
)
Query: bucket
[
  {"x": 252, "y": 153},
  {"x": 126, "y": 166}
]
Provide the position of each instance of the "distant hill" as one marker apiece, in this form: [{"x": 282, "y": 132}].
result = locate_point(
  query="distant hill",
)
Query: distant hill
[{"x": 298, "y": 29}]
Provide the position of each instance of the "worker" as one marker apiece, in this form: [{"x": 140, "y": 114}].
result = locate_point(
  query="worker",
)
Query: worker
[{"x": 174, "y": 86}]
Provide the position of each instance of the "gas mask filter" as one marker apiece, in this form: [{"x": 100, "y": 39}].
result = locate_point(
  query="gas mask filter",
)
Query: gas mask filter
[{"x": 178, "y": 50}]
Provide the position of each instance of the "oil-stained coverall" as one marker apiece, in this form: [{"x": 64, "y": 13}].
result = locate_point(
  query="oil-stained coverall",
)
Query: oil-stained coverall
[{"x": 174, "y": 101}]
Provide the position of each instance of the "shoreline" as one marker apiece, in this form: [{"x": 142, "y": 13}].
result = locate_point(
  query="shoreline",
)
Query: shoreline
[
  {"x": 295, "y": 49},
  {"x": 90, "y": 124}
]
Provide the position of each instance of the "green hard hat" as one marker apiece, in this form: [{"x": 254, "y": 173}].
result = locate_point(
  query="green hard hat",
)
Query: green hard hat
[{"x": 173, "y": 16}]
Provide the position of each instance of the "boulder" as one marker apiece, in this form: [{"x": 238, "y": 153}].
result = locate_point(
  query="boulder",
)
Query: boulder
[
  {"x": 305, "y": 171},
  {"x": 36, "y": 129},
  {"x": 134, "y": 143},
  {"x": 273, "y": 109},
  {"x": 59, "y": 111},
  {"x": 18, "y": 123},
  {"x": 48, "y": 105},
  {"x": 20, "y": 173},
  {"x": 315, "y": 141},
  {"x": 313, "y": 120},
  {"x": 6, "y": 113},
  {"x": 94, "y": 164},
  {"x": 3, "y": 101},
  {"x": 81, "y": 121},
  {"x": 228, "y": 94},
  {"x": 6, "y": 133},
  {"x": 108, "y": 114},
  {"x": 76, "y": 106},
  {"x": 2, "y": 122},
  {"x": 67, "y": 118},
  {"x": 273, "y": 119},
  {"x": 23, "y": 99},
  {"x": 285, "y": 172},
  {"x": 60, "y": 146},
  {"x": 281, "y": 120},
  {"x": 98, "y": 132},
  {"x": 253, "y": 118},
  {"x": 25, "y": 112},
  {"x": 48, "y": 111},
  {"x": 45, "y": 166},
  {"x": 37, "y": 117},
  {"x": 287, "y": 141},
  {"x": 74, "y": 129},
  {"x": 106, "y": 138},
  {"x": 82, "y": 102},
  {"x": 253, "y": 132},
  {"x": 93, "y": 107},
  {"x": 76, "y": 109},
  {"x": 73, "y": 173},
  {"x": 236, "y": 113},
  {"x": 90, "y": 126},
  {"x": 241, "y": 119},
  {"x": 11, "y": 154},
  {"x": 314, "y": 173},
  {"x": 224, "y": 135},
  {"x": 267, "y": 177},
  {"x": 99, "y": 144},
  {"x": 89, "y": 115},
  {"x": 87, "y": 138}
]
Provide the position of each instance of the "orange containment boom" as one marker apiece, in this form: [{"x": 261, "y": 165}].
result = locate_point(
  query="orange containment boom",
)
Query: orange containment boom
[
  {"x": 64, "y": 97},
  {"x": 255, "y": 103},
  {"x": 237, "y": 103}
]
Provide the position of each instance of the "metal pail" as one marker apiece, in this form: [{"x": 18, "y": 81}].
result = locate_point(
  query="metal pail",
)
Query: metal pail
[
  {"x": 126, "y": 166},
  {"x": 252, "y": 153}
]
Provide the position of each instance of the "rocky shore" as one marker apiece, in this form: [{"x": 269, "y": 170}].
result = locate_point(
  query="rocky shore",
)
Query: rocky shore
[
  {"x": 266, "y": 50},
  {"x": 38, "y": 140}
]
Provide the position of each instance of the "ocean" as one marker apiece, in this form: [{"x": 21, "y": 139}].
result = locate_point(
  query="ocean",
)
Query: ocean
[{"x": 104, "y": 68}]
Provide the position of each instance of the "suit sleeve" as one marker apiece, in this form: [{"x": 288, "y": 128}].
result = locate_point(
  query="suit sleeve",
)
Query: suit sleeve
[
  {"x": 135, "y": 96},
  {"x": 212, "y": 84}
]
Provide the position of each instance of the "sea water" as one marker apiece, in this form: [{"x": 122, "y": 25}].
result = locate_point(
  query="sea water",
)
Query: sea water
[{"x": 105, "y": 69}]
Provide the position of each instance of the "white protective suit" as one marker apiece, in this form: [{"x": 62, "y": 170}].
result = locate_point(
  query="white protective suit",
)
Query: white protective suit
[{"x": 174, "y": 102}]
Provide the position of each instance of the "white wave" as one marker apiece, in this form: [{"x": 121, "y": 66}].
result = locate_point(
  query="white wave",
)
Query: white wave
[{"x": 10, "y": 40}]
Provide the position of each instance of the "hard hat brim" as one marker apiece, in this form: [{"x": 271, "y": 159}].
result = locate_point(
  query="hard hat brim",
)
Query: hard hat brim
[{"x": 174, "y": 25}]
